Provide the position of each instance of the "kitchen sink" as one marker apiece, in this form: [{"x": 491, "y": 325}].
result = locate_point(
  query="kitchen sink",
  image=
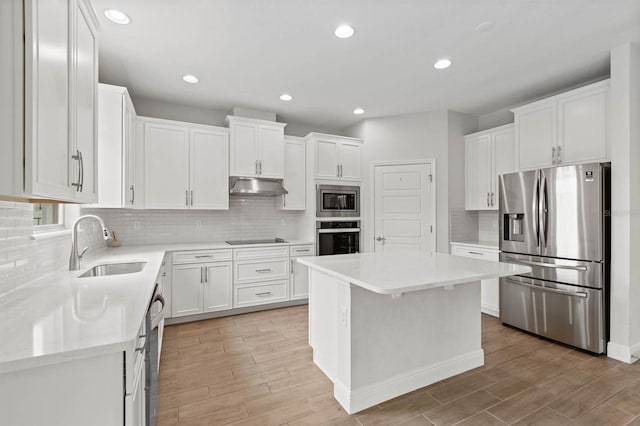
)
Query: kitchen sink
[{"x": 114, "y": 269}]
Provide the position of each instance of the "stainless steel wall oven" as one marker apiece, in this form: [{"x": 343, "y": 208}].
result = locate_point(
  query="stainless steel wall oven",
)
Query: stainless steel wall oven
[{"x": 337, "y": 237}]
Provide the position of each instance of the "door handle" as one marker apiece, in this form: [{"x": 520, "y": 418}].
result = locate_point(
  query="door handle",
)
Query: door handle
[
  {"x": 492, "y": 204},
  {"x": 581, "y": 294},
  {"x": 202, "y": 275},
  {"x": 81, "y": 172},
  {"x": 559, "y": 155},
  {"x": 200, "y": 256},
  {"x": 553, "y": 155},
  {"x": 265, "y": 293},
  {"x": 543, "y": 210},
  {"x": 488, "y": 205},
  {"x": 262, "y": 271},
  {"x": 133, "y": 193},
  {"x": 77, "y": 158},
  {"x": 535, "y": 208},
  {"x": 546, "y": 265},
  {"x": 381, "y": 239},
  {"x": 476, "y": 253},
  {"x": 206, "y": 274},
  {"x": 337, "y": 170},
  {"x": 186, "y": 198}
]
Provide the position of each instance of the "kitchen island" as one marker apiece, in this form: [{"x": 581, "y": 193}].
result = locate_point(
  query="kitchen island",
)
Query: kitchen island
[{"x": 384, "y": 324}]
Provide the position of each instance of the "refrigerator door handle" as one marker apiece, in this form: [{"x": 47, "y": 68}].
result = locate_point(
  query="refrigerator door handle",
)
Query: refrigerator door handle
[
  {"x": 549, "y": 289},
  {"x": 535, "y": 207},
  {"x": 546, "y": 265},
  {"x": 543, "y": 210}
]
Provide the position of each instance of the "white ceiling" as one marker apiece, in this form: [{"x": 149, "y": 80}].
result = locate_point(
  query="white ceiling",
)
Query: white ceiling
[{"x": 248, "y": 52}]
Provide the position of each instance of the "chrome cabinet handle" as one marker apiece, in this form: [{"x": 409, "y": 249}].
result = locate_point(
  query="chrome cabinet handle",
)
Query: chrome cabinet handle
[
  {"x": 284, "y": 200},
  {"x": 549, "y": 289},
  {"x": 81, "y": 172},
  {"x": 202, "y": 275},
  {"x": 559, "y": 155},
  {"x": 546, "y": 265},
  {"x": 302, "y": 250},
  {"x": 492, "y": 204},
  {"x": 77, "y": 158},
  {"x": 191, "y": 198},
  {"x": 260, "y": 163},
  {"x": 264, "y": 293},
  {"x": 553, "y": 155},
  {"x": 340, "y": 170},
  {"x": 488, "y": 205},
  {"x": 337, "y": 170},
  {"x": 476, "y": 252},
  {"x": 186, "y": 197},
  {"x": 200, "y": 256},
  {"x": 206, "y": 274},
  {"x": 262, "y": 271},
  {"x": 133, "y": 194}
]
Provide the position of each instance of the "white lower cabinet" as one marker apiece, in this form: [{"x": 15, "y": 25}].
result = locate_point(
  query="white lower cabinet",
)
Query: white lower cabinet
[
  {"x": 489, "y": 294},
  {"x": 261, "y": 275},
  {"x": 299, "y": 278},
  {"x": 201, "y": 282}
]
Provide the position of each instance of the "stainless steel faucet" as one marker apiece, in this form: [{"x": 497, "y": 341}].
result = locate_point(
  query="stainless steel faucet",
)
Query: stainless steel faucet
[{"x": 74, "y": 259}]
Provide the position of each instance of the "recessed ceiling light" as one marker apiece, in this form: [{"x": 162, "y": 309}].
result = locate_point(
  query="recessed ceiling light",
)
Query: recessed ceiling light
[
  {"x": 358, "y": 111},
  {"x": 116, "y": 16},
  {"x": 190, "y": 78},
  {"x": 485, "y": 26},
  {"x": 344, "y": 31},
  {"x": 442, "y": 64},
  {"x": 286, "y": 97}
]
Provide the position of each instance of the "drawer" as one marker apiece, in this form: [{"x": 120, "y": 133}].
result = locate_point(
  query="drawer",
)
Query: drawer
[
  {"x": 260, "y": 252},
  {"x": 258, "y": 294},
  {"x": 260, "y": 270},
  {"x": 301, "y": 250},
  {"x": 197, "y": 256},
  {"x": 474, "y": 252}
]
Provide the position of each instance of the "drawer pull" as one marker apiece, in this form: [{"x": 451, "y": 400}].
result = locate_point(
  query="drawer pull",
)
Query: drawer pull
[
  {"x": 476, "y": 252},
  {"x": 264, "y": 293},
  {"x": 262, "y": 271},
  {"x": 140, "y": 349},
  {"x": 301, "y": 250},
  {"x": 200, "y": 256}
]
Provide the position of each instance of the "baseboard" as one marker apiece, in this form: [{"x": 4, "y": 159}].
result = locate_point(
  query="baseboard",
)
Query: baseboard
[
  {"x": 490, "y": 310},
  {"x": 360, "y": 399},
  {"x": 234, "y": 311},
  {"x": 628, "y": 354}
]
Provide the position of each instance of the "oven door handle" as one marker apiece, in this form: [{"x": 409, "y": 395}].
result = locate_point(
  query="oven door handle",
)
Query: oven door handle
[{"x": 337, "y": 230}]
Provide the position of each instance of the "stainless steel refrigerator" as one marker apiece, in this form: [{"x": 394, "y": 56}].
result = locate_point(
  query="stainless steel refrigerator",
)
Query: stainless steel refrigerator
[{"x": 557, "y": 221}]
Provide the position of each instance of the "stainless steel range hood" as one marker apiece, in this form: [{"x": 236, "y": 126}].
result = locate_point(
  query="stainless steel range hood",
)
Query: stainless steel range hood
[{"x": 256, "y": 186}]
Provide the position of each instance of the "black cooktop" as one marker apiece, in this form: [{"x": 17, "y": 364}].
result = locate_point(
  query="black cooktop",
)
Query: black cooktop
[{"x": 268, "y": 241}]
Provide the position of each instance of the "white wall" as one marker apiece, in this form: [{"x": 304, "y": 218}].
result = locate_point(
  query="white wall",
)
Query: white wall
[
  {"x": 213, "y": 117},
  {"x": 495, "y": 119},
  {"x": 625, "y": 199},
  {"x": 417, "y": 136}
]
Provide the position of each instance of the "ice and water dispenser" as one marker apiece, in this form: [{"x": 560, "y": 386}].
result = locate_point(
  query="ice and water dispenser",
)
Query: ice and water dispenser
[{"x": 513, "y": 227}]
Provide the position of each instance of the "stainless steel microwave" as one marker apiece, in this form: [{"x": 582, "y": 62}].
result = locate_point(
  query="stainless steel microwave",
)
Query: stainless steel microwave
[{"x": 337, "y": 201}]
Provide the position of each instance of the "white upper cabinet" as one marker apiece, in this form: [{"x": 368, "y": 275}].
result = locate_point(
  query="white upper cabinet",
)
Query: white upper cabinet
[
  {"x": 185, "y": 166},
  {"x": 57, "y": 90},
  {"x": 256, "y": 148},
  {"x": 571, "y": 127},
  {"x": 488, "y": 154},
  {"x": 294, "y": 174},
  {"x": 116, "y": 149},
  {"x": 337, "y": 157}
]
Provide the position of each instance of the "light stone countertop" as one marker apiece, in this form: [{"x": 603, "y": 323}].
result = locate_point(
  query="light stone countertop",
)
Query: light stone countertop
[
  {"x": 60, "y": 317},
  {"x": 402, "y": 272}
]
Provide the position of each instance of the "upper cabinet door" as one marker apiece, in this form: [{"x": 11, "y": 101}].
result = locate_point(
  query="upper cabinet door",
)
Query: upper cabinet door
[
  {"x": 327, "y": 161},
  {"x": 478, "y": 173},
  {"x": 536, "y": 130},
  {"x": 130, "y": 166},
  {"x": 47, "y": 136},
  {"x": 166, "y": 154},
  {"x": 84, "y": 104},
  {"x": 582, "y": 126},
  {"x": 209, "y": 173},
  {"x": 503, "y": 157},
  {"x": 294, "y": 174},
  {"x": 271, "y": 151},
  {"x": 244, "y": 156},
  {"x": 350, "y": 161}
]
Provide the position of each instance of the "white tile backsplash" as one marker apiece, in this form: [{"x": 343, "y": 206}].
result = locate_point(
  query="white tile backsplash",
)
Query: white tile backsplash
[
  {"x": 463, "y": 225},
  {"x": 247, "y": 218},
  {"x": 488, "y": 227}
]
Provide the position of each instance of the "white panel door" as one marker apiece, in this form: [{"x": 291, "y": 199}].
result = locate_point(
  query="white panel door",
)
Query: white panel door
[
  {"x": 166, "y": 171},
  {"x": 326, "y": 160},
  {"x": 349, "y": 161},
  {"x": 536, "y": 131},
  {"x": 218, "y": 286},
  {"x": 478, "y": 173},
  {"x": 47, "y": 134},
  {"x": 243, "y": 159},
  {"x": 503, "y": 145},
  {"x": 271, "y": 151},
  {"x": 85, "y": 108},
  {"x": 402, "y": 207},
  {"x": 294, "y": 174},
  {"x": 582, "y": 127},
  {"x": 209, "y": 173},
  {"x": 187, "y": 290},
  {"x": 129, "y": 135}
]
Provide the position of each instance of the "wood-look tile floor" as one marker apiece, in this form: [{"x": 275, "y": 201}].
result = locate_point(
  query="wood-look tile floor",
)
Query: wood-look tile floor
[{"x": 256, "y": 369}]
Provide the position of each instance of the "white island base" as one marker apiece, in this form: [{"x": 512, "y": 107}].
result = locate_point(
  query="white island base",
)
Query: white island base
[{"x": 378, "y": 343}]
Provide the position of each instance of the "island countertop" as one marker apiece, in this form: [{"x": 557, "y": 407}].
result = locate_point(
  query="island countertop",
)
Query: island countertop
[{"x": 402, "y": 272}]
